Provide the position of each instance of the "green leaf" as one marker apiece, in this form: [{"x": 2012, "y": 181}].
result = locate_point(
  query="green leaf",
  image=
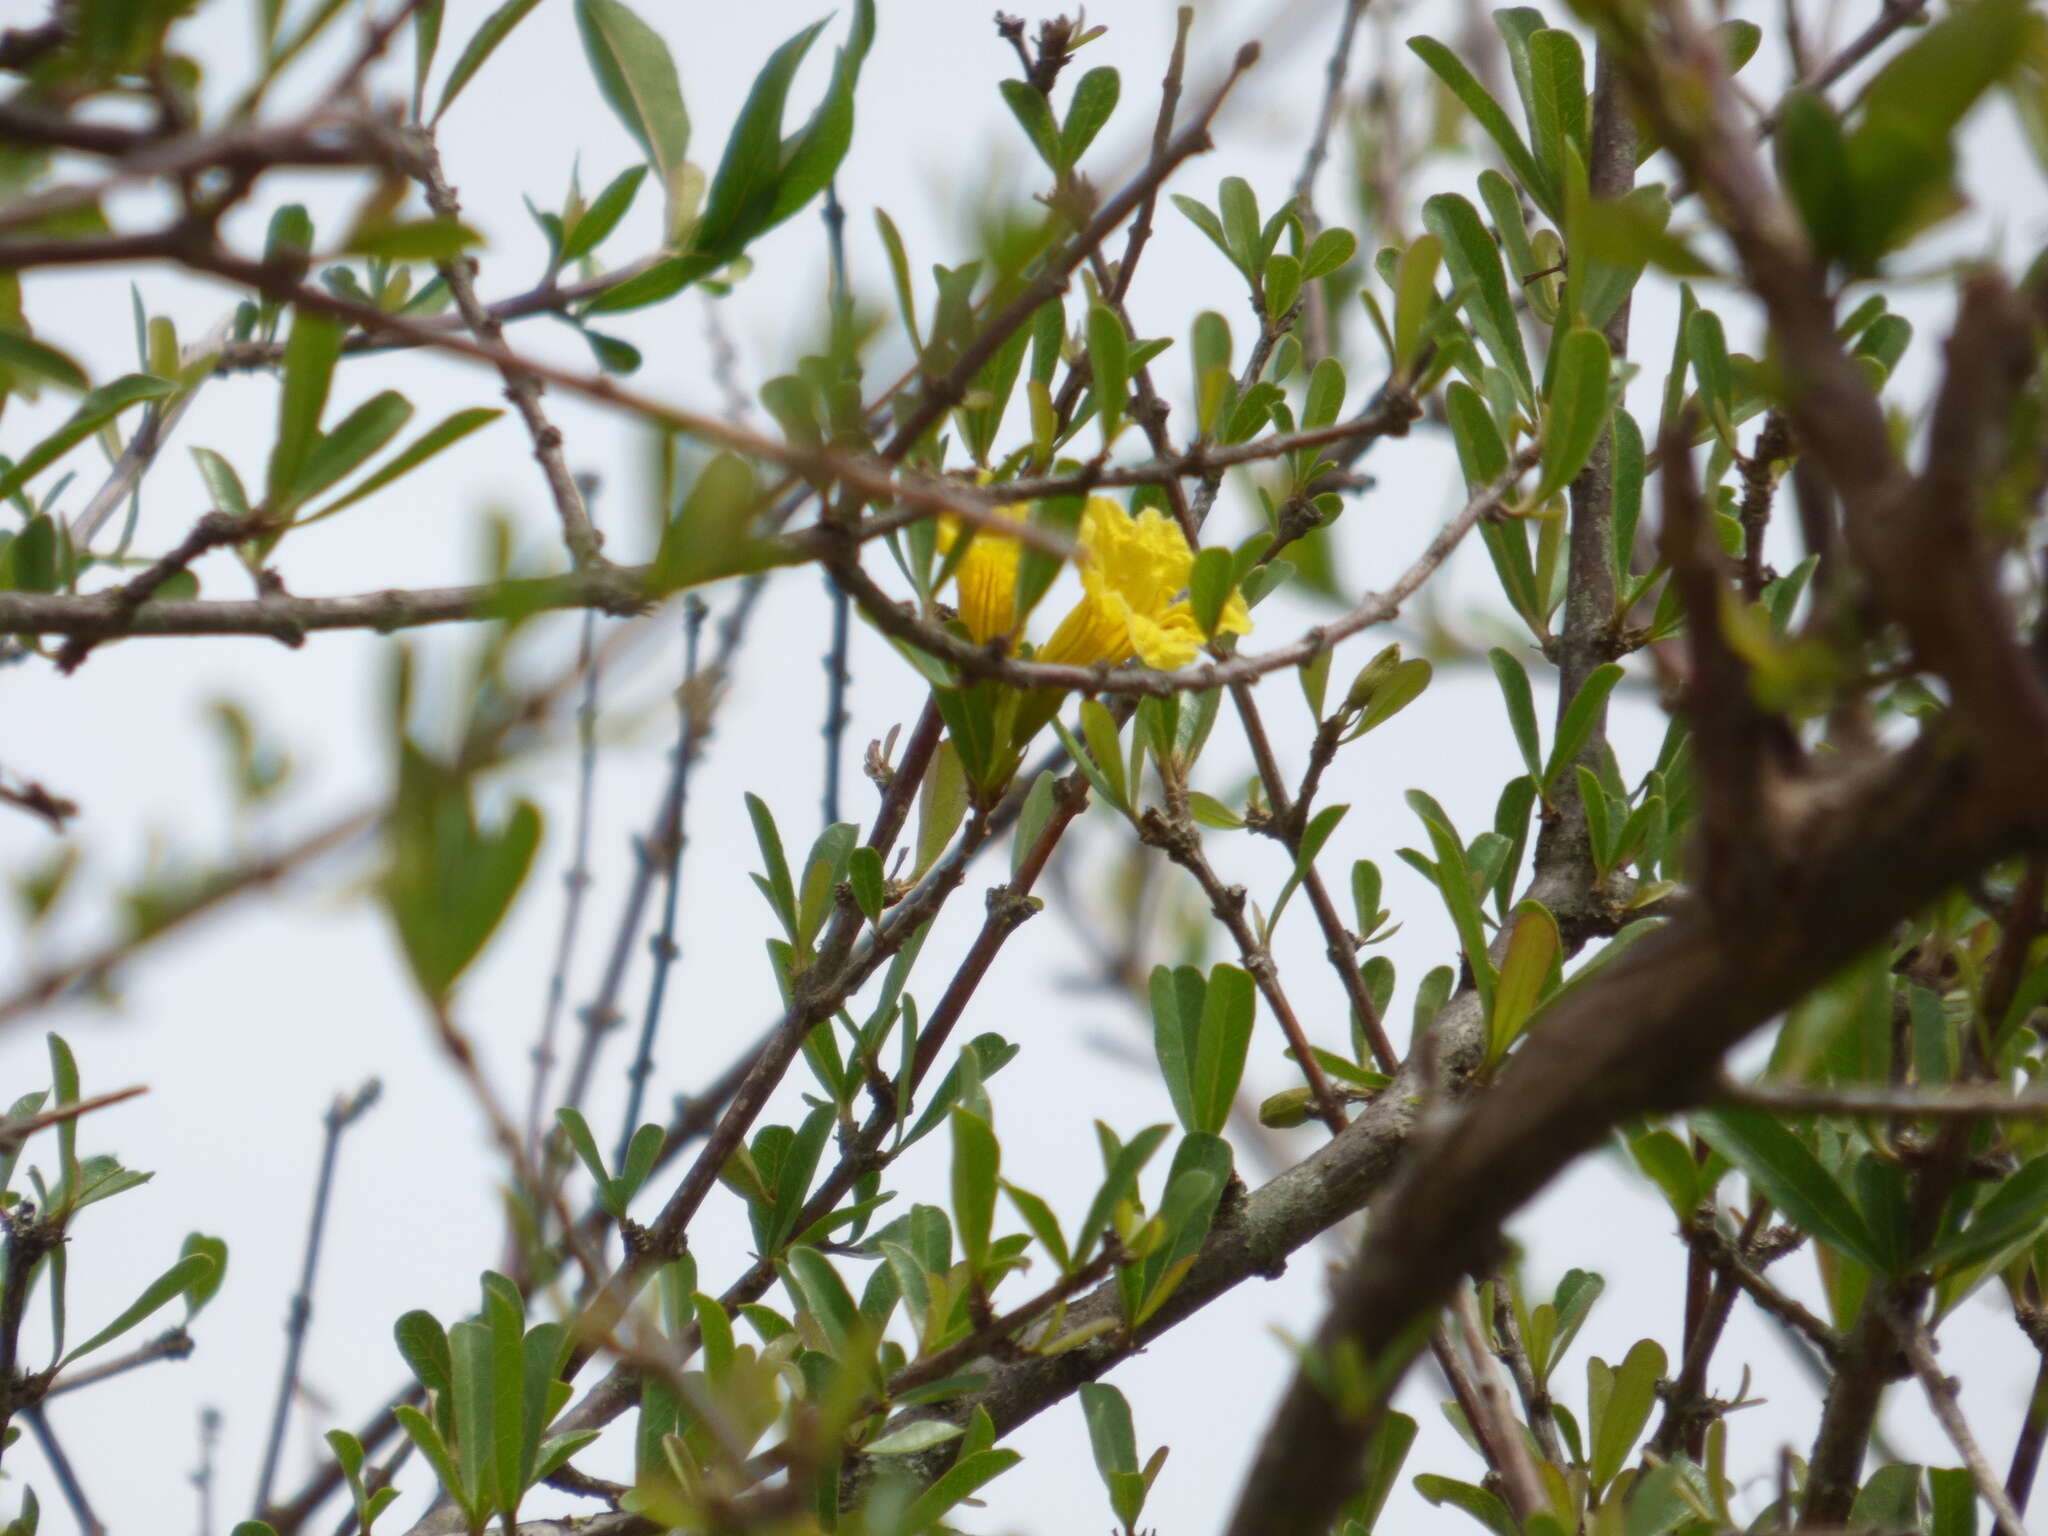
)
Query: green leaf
[
  {"x": 205, "y": 1287},
  {"x": 1415, "y": 297},
  {"x": 1177, "y": 998},
  {"x": 444, "y": 434},
  {"x": 191, "y": 1272},
  {"x": 1209, "y": 587},
  {"x": 94, "y": 411},
  {"x": 355, "y": 438},
  {"x": 958, "y": 1482},
  {"x": 1576, "y": 411},
  {"x": 1620, "y": 1399},
  {"x": 1031, "y": 110},
  {"x": 1476, "y": 267},
  {"x": 1669, "y": 1164},
  {"x": 1481, "y": 454},
  {"x": 1450, "y": 69},
  {"x": 1099, "y": 726},
  {"x": 1384, "y": 1453},
  {"x": 1094, "y": 98},
  {"x": 1454, "y": 883},
  {"x": 496, "y": 28},
  {"x": 423, "y": 1345},
  {"x": 743, "y": 195},
  {"x": 1791, "y": 1177},
  {"x": 22, "y": 352},
  {"x": 864, "y": 874},
  {"x": 1330, "y": 249},
  {"x": 779, "y": 888},
  {"x": 918, "y": 1435},
  {"x": 1109, "y": 356},
  {"x": 603, "y": 215},
  {"x": 2014, "y": 1214},
  {"x": 1110, "y": 1434},
  {"x": 1952, "y": 1493},
  {"x": 1221, "y": 1043},
  {"x": 1525, "y": 973},
  {"x": 1239, "y": 206},
  {"x": 1313, "y": 836},
  {"x": 1514, "y": 687},
  {"x": 449, "y": 882},
  {"x": 310, "y": 353},
  {"x": 1045, "y": 1226},
  {"x": 1489, "y": 1509},
  {"x": 1900, "y": 155},
  {"x": 434, "y": 239},
  {"x": 422, "y": 1432},
  {"x": 1707, "y": 348},
  {"x": 637, "y": 77},
  {"x": 1570, "y": 1305},
  {"x": 1890, "y": 1500},
  {"x": 1122, "y": 1165},
  {"x": 977, "y": 1160},
  {"x": 1557, "y": 102},
  {"x": 812, "y": 155},
  {"x": 1580, "y": 719}
]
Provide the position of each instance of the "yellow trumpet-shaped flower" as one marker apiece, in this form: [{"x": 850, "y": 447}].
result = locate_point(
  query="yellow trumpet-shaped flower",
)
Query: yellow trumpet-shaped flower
[
  {"x": 986, "y": 578},
  {"x": 1134, "y": 578}
]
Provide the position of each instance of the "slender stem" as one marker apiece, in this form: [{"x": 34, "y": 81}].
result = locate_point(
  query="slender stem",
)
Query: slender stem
[
  {"x": 688, "y": 740},
  {"x": 602, "y": 1011},
  {"x": 1495, "y": 1423},
  {"x": 343, "y": 1113},
  {"x": 203, "y": 1474},
  {"x": 1942, "y": 1398},
  {"x": 67, "y": 1478},
  {"x": 1177, "y": 837},
  {"x": 522, "y": 388},
  {"x": 1536, "y": 1402},
  {"x": 577, "y": 881},
  {"x": 2026, "y": 1451},
  {"x": 29, "y": 1240},
  {"x": 1339, "y": 942},
  {"x": 1315, "y": 319},
  {"x": 173, "y": 1344},
  {"x": 837, "y": 679}
]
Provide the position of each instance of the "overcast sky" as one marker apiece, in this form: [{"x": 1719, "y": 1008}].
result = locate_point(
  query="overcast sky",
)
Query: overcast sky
[{"x": 247, "y": 1029}]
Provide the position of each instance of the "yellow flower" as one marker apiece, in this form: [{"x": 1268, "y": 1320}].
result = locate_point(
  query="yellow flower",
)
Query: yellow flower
[
  {"x": 1134, "y": 577},
  {"x": 986, "y": 578}
]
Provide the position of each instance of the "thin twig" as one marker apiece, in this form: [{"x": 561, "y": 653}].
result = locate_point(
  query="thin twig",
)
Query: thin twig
[
  {"x": 1513, "y": 1353},
  {"x": 1175, "y": 834},
  {"x": 173, "y": 1344},
  {"x": 601, "y": 1013},
  {"x": 1964, "y": 1102},
  {"x": 690, "y": 731},
  {"x": 1941, "y": 1397},
  {"x": 522, "y": 388},
  {"x": 203, "y": 1474},
  {"x": 340, "y": 1115},
  {"x": 577, "y": 882},
  {"x": 67, "y": 1478}
]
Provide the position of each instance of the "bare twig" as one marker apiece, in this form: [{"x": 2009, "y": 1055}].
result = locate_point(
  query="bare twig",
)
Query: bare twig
[
  {"x": 1941, "y": 1397},
  {"x": 341, "y": 1114},
  {"x": 172, "y": 1344},
  {"x": 1964, "y": 1102},
  {"x": 522, "y": 388},
  {"x": 692, "y": 723},
  {"x": 67, "y": 1477},
  {"x": 577, "y": 881}
]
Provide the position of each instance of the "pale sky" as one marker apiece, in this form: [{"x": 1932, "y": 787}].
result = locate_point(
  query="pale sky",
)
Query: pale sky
[{"x": 245, "y": 1030}]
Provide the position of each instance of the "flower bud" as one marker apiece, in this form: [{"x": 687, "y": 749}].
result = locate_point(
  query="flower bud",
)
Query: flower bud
[
  {"x": 1371, "y": 678},
  {"x": 1286, "y": 1109}
]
